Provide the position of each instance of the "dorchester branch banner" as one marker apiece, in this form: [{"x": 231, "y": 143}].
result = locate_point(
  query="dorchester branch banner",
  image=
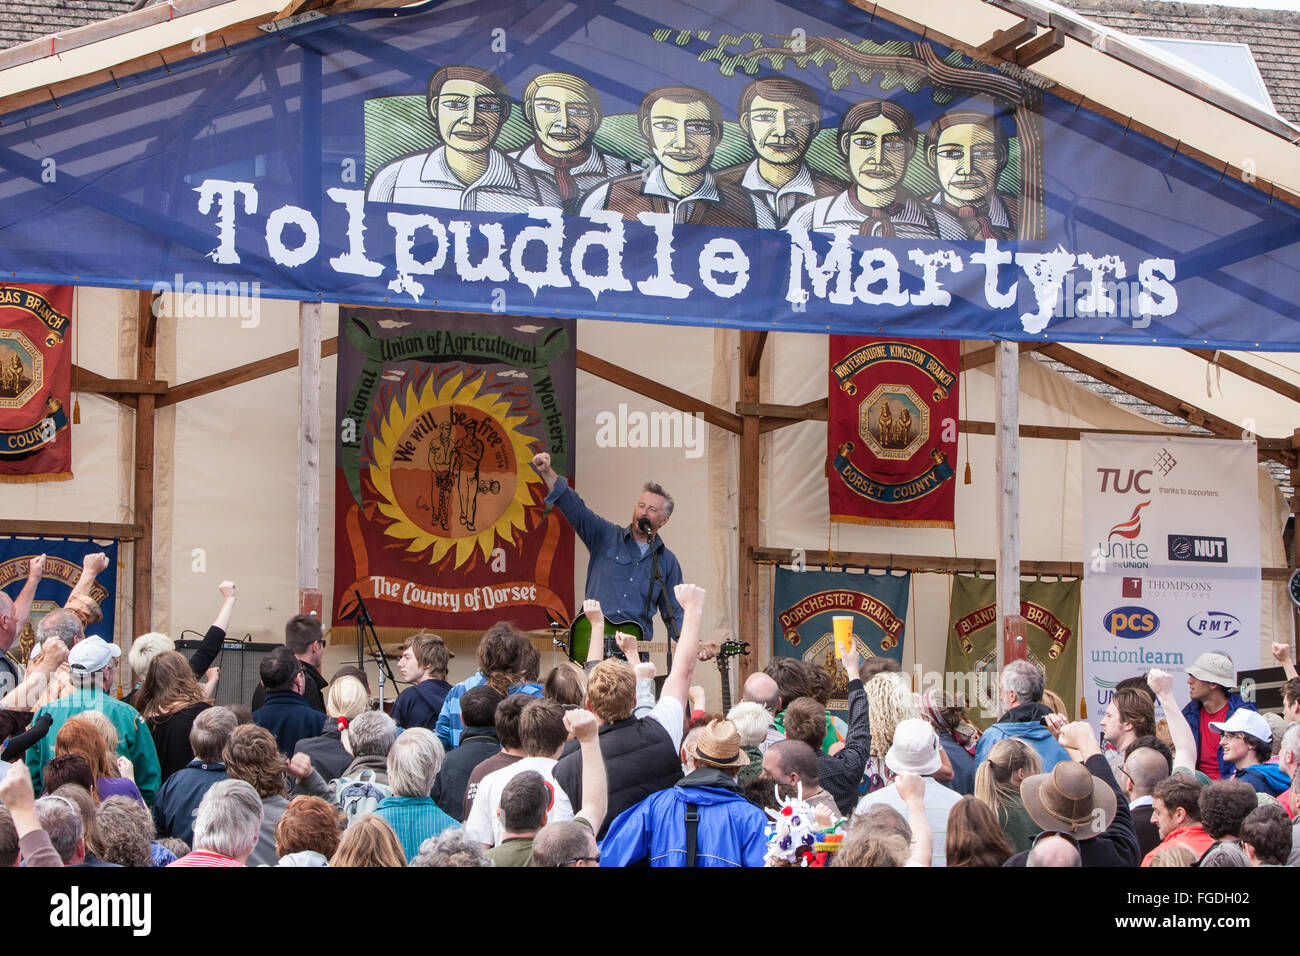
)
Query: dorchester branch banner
[
  {"x": 35, "y": 380},
  {"x": 1051, "y": 609},
  {"x": 891, "y": 431},
  {"x": 440, "y": 521},
  {"x": 1171, "y": 557},
  {"x": 787, "y": 165},
  {"x": 63, "y": 559},
  {"x": 805, "y": 601}
]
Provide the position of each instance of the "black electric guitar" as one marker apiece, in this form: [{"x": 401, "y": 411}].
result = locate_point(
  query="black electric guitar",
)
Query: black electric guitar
[
  {"x": 580, "y": 636},
  {"x": 726, "y": 652}
]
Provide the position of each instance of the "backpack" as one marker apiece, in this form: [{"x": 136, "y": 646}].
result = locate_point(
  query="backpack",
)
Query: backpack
[{"x": 359, "y": 795}]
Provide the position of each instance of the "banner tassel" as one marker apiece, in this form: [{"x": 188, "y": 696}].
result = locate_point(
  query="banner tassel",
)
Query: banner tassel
[{"x": 966, "y": 480}]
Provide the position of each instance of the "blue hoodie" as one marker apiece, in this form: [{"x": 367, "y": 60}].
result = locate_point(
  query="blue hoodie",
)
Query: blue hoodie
[
  {"x": 1192, "y": 711},
  {"x": 1024, "y": 722},
  {"x": 1265, "y": 778}
]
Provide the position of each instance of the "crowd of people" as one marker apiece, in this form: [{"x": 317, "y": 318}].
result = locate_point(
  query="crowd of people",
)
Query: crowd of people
[{"x": 604, "y": 764}]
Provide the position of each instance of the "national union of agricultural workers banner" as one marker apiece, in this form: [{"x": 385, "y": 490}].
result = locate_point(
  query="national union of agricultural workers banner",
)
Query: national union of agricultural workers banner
[
  {"x": 805, "y": 601},
  {"x": 1051, "y": 609},
  {"x": 891, "y": 431},
  {"x": 785, "y": 165},
  {"x": 1171, "y": 556},
  {"x": 35, "y": 377},
  {"x": 63, "y": 559},
  {"x": 440, "y": 519}
]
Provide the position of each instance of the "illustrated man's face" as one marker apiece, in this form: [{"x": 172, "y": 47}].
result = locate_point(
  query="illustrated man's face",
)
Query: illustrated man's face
[
  {"x": 682, "y": 136},
  {"x": 651, "y": 505},
  {"x": 966, "y": 159},
  {"x": 878, "y": 154},
  {"x": 780, "y": 131},
  {"x": 468, "y": 115},
  {"x": 563, "y": 119}
]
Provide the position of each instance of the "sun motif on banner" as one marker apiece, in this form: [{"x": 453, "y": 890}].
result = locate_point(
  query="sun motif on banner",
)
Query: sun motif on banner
[{"x": 445, "y": 463}]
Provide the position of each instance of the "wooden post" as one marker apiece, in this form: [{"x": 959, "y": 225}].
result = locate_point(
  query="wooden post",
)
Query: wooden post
[
  {"x": 1293, "y": 559},
  {"x": 309, "y": 362},
  {"x": 142, "y": 484},
  {"x": 1008, "y": 485},
  {"x": 751, "y": 344}
]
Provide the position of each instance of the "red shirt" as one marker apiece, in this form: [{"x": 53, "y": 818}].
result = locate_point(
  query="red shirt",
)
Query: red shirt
[
  {"x": 1207, "y": 756},
  {"x": 1192, "y": 836},
  {"x": 205, "y": 858}
]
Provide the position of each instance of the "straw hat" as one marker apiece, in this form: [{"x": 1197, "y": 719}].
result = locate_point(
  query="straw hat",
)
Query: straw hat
[{"x": 719, "y": 746}]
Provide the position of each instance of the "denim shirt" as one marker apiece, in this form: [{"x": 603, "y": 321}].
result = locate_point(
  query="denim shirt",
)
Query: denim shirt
[{"x": 618, "y": 575}]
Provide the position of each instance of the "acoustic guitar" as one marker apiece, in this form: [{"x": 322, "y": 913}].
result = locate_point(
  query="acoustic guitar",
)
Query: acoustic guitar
[{"x": 580, "y": 636}]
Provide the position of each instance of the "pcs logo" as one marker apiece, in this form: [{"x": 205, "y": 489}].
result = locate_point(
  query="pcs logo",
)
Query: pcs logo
[
  {"x": 1214, "y": 624},
  {"x": 1131, "y": 623}
]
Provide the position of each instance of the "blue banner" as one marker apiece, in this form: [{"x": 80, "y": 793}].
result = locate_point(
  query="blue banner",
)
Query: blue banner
[
  {"x": 804, "y": 602},
  {"x": 63, "y": 563},
  {"x": 771, "y": 164}
]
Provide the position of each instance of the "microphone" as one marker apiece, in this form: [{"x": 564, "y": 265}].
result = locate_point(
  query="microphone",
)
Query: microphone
[{"x": 646, "y": 527}]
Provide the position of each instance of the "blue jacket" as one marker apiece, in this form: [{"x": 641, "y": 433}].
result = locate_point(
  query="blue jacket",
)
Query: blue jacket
[
  {"x": 1265, "y": 778},
  {"x": 289, "y": 717},
  {"x": 1032, "y": 733},
  {"x": 619, "y": 576},
  {"x": 1193, "y": 714},
  {"x": 420, "y": 704},
  {"x": 179, "y": 798},
  {"x": 731, "y": 830}
]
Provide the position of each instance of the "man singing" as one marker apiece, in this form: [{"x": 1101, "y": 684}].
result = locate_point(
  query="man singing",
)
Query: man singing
[{"x": 620, "y": 574}]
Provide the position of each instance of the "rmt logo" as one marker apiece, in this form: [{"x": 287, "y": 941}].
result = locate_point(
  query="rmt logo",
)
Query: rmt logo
[{"x": 1121, "y": 483}]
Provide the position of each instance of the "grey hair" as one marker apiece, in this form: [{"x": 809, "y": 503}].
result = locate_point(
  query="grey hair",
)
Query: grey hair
[
  {"x": 657, "y": 489},
  {"x": 1024, "y": 680},
  {"x": 451, "y": 848},
  {"x": 371, "y": 734},
  {"x": 210, "y": 731},
  {"x": 752, "y": 720},
  {"x": 62, "y": 822},
  {"x": 228, "y": 819},
  {"x": 558, "y": 843},
  {"x": 413, "y": 762},
  {"x": 62, "y": 624},
  {"x": 1290, "y": 743}
]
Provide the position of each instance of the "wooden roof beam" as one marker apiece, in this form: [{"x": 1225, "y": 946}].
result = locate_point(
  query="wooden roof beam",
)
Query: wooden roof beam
[
  {"x": 1249, "y": 372},
  {"x": 1039, "y": 48},
  {"x": 1003, "y": 43}
]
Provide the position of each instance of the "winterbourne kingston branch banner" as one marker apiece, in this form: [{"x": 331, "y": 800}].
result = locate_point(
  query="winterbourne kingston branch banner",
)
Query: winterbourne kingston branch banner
[
  {"x": 35, "y": 381},
  {"x": 784, "y": 165},
  {"x": 1171, "y": 557},
  {"x": 440, "y": 521},
  {"x": 1051, "y": 609},
  {"x": 891, "y": 430},
  {"x": 804, "y": 602}
]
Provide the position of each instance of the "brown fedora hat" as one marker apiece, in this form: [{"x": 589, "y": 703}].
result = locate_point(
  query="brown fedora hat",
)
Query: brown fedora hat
[
  {"x": 1069, "y": 800},
  {"x": 719, "y": 746}
]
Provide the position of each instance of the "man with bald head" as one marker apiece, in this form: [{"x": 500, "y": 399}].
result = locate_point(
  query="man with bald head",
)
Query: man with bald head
[
  {"x": 1054, "y": 850},
  {"x": 1141, "y": 770},
  {"x": 762, "y": 689}
]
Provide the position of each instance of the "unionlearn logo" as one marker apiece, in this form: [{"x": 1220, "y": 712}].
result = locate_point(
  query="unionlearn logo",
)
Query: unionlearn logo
[{"x": 77, "y": 910}]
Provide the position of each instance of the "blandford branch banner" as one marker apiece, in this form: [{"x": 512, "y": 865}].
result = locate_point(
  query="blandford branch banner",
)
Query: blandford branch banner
[
  {"x": 1171, "y": 556},
  {"x": 440, "y": 521},
  {"x": 766, "y": 164}
]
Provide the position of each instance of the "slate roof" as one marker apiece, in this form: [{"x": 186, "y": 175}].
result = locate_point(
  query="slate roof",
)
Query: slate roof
[
  {"x": 23, "y": 20},
  {"x": 1272, "y": 35}
]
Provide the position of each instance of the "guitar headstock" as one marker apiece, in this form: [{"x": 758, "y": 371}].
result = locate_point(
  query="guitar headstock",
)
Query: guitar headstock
[{"x": 729, "y": 649}]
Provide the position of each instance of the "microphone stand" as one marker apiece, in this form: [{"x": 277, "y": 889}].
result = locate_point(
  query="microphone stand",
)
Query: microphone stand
[
  {"x": 366, "y": 635},
  {"x": 665, "y": 606}
]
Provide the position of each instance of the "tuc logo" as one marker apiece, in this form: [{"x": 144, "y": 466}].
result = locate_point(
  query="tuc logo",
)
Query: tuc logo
[
  {"x": 1214, "y": 624},
  {"x": 1131, "y": 623},
  {"x": 1132, "y": 480},
  {"x": 1190, "y": 547}
]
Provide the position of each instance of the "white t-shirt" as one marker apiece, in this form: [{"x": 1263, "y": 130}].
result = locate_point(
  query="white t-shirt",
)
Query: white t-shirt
[
  {"x": 484, "y": 824},
  {"x": 670, "y": 714},
  {"x": 939, "y": 800}
]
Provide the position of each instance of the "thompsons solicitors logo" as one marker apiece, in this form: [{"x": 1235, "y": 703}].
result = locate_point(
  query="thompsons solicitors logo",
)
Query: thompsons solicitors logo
[
  {"x": 1136, "y": 654},
  {"x": 78, "y": 910}
]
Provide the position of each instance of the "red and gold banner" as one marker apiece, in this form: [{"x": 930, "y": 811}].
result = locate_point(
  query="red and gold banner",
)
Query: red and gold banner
[
  {"x": 35, "y": 379},
  {"x": 892, "y": 430}
]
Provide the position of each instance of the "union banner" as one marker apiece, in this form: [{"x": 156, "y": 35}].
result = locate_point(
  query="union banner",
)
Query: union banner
[
  {"x": 1051, "y": 609},
  {"x": 440, "y": 521},
  {"x": 35, "y": 379},
  {"x": 804, "y": 602},
  {"x": 892, "y": 431}
]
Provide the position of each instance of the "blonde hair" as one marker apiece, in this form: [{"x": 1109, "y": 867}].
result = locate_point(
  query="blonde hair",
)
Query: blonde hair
[
  {"x": 347, "y": 697},
  {"x": 890, "y": 701},
  {"x": 1176, "y": 855},
  {"x": 611, "y": 690},
  {"x": 145, "y": 648},
  {"x": 1054, "y": 701},
  {"x": 369, "y": 842},
  {"x": 101, "y": 723},
  {"x": 751, "y": 720},
  {"x": 995, "y": 782}
]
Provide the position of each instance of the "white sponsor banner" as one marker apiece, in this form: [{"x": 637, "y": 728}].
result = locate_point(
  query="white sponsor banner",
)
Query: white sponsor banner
[{"x": 1171, "y": 558}]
